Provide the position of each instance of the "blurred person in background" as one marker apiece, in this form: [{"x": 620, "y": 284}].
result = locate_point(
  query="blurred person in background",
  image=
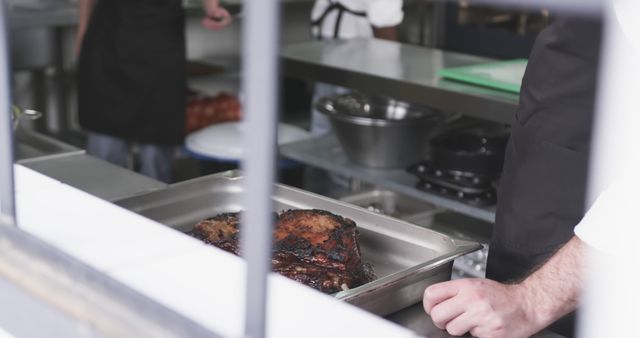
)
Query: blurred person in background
[
  {"x": 350, "y": 19},
  {"x": 132, "y": 78},
  {"x": 340, "y": 20}
]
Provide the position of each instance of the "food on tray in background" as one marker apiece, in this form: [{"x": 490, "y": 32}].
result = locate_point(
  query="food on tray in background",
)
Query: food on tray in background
[
  {"x": 313, "y": 247},
  {"x": 203, "y": 111}
]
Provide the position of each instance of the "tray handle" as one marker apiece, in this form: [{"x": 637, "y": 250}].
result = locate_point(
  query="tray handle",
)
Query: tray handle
[{"x": 409, "y": 276}]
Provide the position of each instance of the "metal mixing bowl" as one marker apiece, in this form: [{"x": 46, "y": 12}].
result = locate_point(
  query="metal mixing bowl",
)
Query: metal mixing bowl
[{"x": 381, "y": 132}]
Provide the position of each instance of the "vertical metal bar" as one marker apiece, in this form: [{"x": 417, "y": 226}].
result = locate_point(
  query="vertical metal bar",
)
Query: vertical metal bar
[
  {"x": 7, "y": 207},
  {"x": 611, "y": 297},
  {"x": 617, "y": 111},
  {"x": 260, "y": 85}
]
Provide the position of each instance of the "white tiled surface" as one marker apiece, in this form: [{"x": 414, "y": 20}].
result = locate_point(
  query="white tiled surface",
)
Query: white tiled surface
[
  {"x": 102, "y": 234},
  {"x": 201, "y": 282},
  {"x": 205, "y": 285},
  {"x": 30, "y": 180},
  {"x": 296, "y": 311}
]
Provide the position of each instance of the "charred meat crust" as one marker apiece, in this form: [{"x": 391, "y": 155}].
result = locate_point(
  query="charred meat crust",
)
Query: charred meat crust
[
  {"x": 220, "y": 231},
  {"x": 314, "y": 247}
]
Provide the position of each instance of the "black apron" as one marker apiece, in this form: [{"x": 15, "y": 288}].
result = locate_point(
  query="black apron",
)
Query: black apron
[
  {"x": 334, "y": 6},
  {"x": 542, "y": 190},
  {"x": 132, "y": 73}
]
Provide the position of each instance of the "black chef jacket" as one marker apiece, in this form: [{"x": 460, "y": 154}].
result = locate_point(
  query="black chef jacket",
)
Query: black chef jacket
[
  {"x": 542, "y": 191},
  {"x": 131, "y": 72}
]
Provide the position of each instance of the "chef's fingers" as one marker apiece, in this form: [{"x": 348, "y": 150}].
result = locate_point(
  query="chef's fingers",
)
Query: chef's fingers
[
  {"x": 437, "y": 293},
  {"x": 462, "y": 324},
  {"x": 443, "y": 313}
]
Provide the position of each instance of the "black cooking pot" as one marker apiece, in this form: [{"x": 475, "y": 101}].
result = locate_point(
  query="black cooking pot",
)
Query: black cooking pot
[{"x": 469, "y": 153}]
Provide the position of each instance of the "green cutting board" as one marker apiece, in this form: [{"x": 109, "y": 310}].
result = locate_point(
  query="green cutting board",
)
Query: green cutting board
[{"x": 503, "y": 75}]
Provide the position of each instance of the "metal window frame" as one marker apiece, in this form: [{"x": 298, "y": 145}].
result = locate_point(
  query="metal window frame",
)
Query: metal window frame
[
  {"x": 56, "y": 283},
  {"x": 35, "y": 262},
  {"x": 7, "y": 206},
  {"x": 50, "y": 283},
  {"x": 260, "y": 85}
]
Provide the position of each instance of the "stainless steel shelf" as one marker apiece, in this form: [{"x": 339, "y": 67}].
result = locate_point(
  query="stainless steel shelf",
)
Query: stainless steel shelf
[
  {"x": 64, "y": 13},
  {"x": 326, "y": 153},
  {"x": 30, "y": 145},
  {"x": 58, "y": 13},
  {"x": 402, "y": 71},
  {"x": 95, "y": 176}
]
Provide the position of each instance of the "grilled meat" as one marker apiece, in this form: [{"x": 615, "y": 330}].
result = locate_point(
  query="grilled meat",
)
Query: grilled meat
[
  {"x": 203, "y": 111},
  {"x": 323, "y": 278},
  {"x": 318, "y": 277},
  {"x": 314, "y": 247},
  {"x": 319, "y": 237},
  {"x": 220, "y": 230}
]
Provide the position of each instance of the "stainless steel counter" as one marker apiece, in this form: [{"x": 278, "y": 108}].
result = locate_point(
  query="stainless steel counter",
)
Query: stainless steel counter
[
  {"x": 398, "y": 70},
  {"x": 61, "y": 13},
  {"x": 94, "y": 176},
  {"x": 33, "y": 145},
  {"x": 326, "y": 153},
  {"x": 415, "y": 319},
  {"x": 55, "y": 13}
]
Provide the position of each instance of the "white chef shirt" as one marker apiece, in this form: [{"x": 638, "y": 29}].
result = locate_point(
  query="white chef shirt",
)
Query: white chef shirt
[
  {"x": 380, "y": 13},
  {"x": 626, "y": 12},
  {"x": 612, "y": 228},
  {"x": 612, "y": 224}
]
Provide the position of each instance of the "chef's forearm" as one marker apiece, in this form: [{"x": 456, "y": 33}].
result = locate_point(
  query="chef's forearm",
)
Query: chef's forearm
[{"x": 554, "y": 290}]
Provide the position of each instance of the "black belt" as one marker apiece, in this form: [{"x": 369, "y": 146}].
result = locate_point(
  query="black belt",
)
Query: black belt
[{"x": 334, "y": 6}]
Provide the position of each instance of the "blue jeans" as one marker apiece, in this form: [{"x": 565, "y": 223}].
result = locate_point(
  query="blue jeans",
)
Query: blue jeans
[{"x": 155, "y": 160}]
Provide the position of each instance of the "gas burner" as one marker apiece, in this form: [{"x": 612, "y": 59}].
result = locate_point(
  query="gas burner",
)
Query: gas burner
[
  {"x": 463, "y": 181},
  {"x": 467, "y": 187},
  {"x": 483, "y": 198}
]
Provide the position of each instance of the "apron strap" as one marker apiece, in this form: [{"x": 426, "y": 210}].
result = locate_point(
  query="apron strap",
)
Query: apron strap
[{"x": 334, "y": 6}]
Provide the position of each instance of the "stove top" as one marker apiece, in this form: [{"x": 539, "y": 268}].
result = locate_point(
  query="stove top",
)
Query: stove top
[{"x": 468, "y": 187}]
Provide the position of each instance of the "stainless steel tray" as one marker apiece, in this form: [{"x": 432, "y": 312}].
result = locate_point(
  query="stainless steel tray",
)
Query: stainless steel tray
[
  {"x": 406, "y": 258},
  {"x": 396, "y": 205}
]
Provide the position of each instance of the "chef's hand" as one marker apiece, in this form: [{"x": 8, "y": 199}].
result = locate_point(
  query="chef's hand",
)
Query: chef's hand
[
  {"x": 482, "y": 307},
  {"x": 216, "y": 17}
]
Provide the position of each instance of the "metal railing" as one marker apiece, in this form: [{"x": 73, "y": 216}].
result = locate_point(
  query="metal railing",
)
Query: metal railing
[
  {"x": 260, "y": 86},
  {"x": 7, "y": 204}
]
